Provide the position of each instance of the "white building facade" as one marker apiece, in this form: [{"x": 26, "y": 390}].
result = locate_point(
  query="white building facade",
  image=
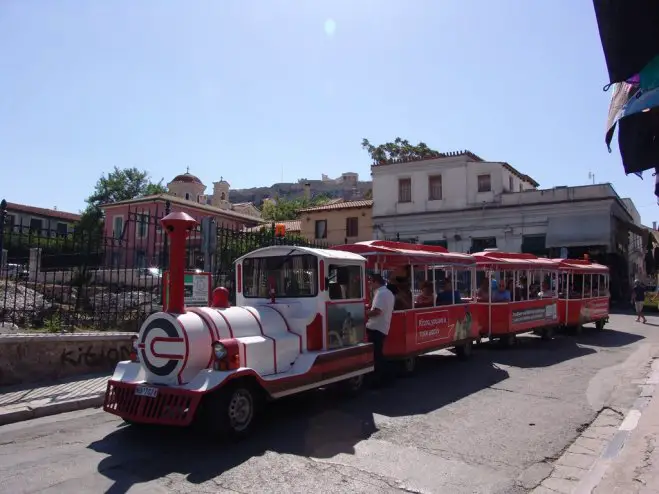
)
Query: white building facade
[{"x": 468, "y": 204}]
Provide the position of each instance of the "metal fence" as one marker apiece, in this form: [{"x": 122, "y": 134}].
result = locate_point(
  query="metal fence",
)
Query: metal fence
[{"x": 64, "y": 280}]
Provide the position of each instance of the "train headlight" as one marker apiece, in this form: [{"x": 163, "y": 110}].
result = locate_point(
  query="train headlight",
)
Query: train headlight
[{"x": 219, "y": 351}]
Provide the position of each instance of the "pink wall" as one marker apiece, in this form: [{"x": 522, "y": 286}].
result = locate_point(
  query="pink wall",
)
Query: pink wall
[{"x": 147, "y": 240}]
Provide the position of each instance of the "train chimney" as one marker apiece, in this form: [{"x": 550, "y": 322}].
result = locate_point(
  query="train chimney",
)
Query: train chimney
[{"x": 177, "y": 225}]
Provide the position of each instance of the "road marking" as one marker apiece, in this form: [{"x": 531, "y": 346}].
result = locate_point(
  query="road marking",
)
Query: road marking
[{"x": 631, "y": 421}]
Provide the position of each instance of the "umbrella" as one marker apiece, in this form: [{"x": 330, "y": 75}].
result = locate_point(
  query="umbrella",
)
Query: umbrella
[
  {"x": 629, "y": 34},
  {"x": 638, "y": 132}
]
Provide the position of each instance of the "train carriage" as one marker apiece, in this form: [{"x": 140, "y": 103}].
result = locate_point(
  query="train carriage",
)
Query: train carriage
[
  {"x": 584, "y": 293},
  {"x": 437, "y": 314},
  {"x": 517, "y": 294}
]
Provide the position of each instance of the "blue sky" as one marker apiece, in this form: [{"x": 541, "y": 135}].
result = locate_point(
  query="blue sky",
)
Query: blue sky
[{"x": 245, "y": 88}]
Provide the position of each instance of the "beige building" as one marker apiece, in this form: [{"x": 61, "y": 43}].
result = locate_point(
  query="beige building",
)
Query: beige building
[{"x": 338, "y": 223}]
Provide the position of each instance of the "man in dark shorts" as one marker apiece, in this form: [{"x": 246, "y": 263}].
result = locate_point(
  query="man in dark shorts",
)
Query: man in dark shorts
[{"x": 638, "y": 298}]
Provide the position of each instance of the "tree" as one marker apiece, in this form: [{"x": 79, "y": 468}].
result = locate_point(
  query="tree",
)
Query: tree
[
  {"x": 400, "y": 150},
  {"x": 119, "y": 185},
  {"x": 287, "y": 209}
]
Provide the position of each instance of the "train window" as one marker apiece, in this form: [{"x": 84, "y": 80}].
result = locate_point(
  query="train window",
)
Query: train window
[
  {"x": 291, "y": 276},
  {"x": 345, "y": 282}
]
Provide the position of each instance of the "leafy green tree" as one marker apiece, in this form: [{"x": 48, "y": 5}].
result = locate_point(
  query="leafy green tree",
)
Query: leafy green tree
[
  {"x": 119, "y": 185},
  {"x": 287, "y": 209},
  {"x": 400, "y": 150}
]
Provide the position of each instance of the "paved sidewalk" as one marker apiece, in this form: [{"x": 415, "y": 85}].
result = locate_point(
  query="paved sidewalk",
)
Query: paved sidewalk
[
  {"x": 18, "y": 403},
  {"x": 636, "y": 467}
]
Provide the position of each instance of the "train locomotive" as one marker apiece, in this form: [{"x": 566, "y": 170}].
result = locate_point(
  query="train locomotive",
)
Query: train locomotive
[{"x": 219, "y": 364}]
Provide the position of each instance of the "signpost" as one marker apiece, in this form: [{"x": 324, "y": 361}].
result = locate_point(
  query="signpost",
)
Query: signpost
[{"x": 197, "y": 289}]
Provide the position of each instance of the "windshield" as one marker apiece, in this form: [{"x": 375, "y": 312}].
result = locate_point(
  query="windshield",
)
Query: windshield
[{"x": 293, "y": 276}]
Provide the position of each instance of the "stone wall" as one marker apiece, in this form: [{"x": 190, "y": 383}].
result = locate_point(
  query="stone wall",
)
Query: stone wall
[{"x": 28, "y": 359}]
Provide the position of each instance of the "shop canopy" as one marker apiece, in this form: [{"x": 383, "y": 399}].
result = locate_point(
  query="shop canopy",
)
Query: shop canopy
[{"x": 388, "y": 253}]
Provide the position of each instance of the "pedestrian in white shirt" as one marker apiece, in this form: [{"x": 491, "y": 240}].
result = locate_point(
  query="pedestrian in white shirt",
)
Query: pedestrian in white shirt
[{"x": 377, "y": 326}]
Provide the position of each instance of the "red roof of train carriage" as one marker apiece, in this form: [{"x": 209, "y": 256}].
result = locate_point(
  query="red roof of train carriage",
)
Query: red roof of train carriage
[
  {"x": 513, "y": 260},
  {"x": 389, "y": 252},
  {"x": 581, "y": 266}
]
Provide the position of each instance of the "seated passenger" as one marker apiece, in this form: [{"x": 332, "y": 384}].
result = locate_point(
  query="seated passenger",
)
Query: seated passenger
[
  {"x": 502, "y": 294},
  {"x": 484, "y": 291},
  {"x": 403, "y": 295},
  {"x": 447, "y": 296},
  {"x": 546, "y": 292},
  {"x": 426, "y": 297}
]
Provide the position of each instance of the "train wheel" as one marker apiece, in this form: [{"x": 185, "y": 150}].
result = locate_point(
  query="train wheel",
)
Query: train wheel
[
  {"x": 232, "y": 411},
  {"x": 600, "y": 324},
  {"x": 352, "y": 386},
  {"x": 509, "y": 340},
  {"x": 408, "y": 366},
  {"x": 548, "y": 333},
  {"x": 465, "y": 350}
]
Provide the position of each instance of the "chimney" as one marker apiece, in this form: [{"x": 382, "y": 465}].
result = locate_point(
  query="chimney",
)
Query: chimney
[
  {"x": 654, "y": 225},
  {"x": 307, "y": 191}
]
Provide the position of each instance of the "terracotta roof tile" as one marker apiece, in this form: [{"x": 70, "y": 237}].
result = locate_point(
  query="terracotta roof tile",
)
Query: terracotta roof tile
[
  {"x": 47, "y": 213},
  {"x": 340, "y": 205}
]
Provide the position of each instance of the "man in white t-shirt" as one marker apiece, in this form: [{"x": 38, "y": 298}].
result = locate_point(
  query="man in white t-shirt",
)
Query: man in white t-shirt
[{"x": 377, "y": 326}]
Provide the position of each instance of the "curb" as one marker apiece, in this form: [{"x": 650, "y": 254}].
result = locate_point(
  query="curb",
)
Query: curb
[{"x": 27, "y": 412}]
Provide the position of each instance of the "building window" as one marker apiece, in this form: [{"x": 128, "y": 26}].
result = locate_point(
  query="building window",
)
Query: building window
[
  {"x": 480, "y": 244},
  {"x": 437, "y": 243},
  {"x": 534, "y": 244},
  {"x": 10, "y": 221},
  {"x": 484, "y": 183},
  {"x": 117, "y": 226},
  {"x": 36, "y": 225},
  {"x": 140, "y": 259},
  {"x": 62, "y": 229},
  {"x": 435, "y": 188},
  {"x": 510, "y": 183},
  {"x": 187, "y": 196},
  {"x": 321, "y": 229},
  {"x": 352, "y": 227},
  {"x": 521, "y": 188},
  {"x": 404, "y": 190},
  {"x": 142, "y": 226}
]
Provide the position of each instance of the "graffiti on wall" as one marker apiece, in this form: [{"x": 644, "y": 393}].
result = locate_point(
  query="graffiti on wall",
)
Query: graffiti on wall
[{"x": 89, "y": 357}]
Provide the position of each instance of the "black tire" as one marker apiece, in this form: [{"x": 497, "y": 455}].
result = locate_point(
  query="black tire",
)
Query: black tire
[
  {"x": 408, "y": 366},
  {"x": 600, "y": 324},
  {"x": 548, "y": 333},
  {"x": 465, "y": 350},
  {"x": 351, "y": 387},
  {"x": 509, "y": 340},
  {"x": 232, "y": 411}
]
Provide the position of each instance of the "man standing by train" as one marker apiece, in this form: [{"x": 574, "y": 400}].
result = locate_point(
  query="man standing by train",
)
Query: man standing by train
[
  {"x": 638, "y": 299},
  {"x": 377, "y": 326}
]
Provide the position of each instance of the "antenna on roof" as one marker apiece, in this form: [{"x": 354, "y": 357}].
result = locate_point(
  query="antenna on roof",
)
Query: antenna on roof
[
  {"x": 187, "y": 169},
  {"x": 591, "y": 175}
]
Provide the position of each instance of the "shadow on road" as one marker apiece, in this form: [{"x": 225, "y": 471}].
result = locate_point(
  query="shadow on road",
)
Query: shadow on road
[
  {"x": 607, "y": 338},
  {"x": 315, "y": 424},
  {"x": 531, "y": 351}
]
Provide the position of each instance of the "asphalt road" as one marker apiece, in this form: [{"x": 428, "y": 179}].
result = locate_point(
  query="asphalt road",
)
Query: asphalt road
[{"x": 487, "y": 425}]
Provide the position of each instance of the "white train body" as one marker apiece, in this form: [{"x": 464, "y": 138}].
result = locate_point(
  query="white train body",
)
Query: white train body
[{"x": 283, "y": 345}]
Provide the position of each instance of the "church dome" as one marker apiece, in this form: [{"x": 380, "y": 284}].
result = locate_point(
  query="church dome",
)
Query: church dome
[{"x": 187, "y": 178}]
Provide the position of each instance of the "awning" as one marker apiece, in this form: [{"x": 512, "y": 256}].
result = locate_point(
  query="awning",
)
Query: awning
[
  {"x": 629, "y": 34},
  {"x": 580, "y": 231}
]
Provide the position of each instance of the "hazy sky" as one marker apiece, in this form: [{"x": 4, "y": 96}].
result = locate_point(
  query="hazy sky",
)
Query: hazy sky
[{"x": 245, "y": 88}]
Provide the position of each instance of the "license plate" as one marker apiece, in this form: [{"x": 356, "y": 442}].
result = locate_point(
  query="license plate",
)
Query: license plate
[{"x": 146, "y": 391}]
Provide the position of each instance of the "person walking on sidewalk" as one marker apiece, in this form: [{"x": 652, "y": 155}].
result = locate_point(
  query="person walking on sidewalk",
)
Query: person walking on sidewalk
[
  {"x": 638, "y": 298},
  {"x": 377, "y": 327}
]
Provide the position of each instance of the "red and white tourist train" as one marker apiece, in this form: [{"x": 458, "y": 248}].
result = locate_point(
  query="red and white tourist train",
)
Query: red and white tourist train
[{"x": 300, "y": 315}]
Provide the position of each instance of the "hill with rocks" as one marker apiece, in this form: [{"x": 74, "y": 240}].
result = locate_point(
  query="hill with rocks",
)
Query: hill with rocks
[{"x": 347, "y": 191}]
